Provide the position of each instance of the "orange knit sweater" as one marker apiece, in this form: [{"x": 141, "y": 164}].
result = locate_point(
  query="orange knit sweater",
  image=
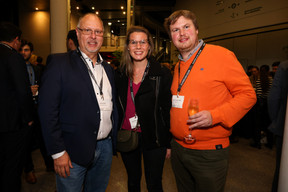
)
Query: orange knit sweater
[{"x": 222, "y": 87}]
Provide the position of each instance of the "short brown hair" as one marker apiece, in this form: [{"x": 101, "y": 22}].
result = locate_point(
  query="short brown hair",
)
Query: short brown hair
[{"x": 175, "y": 16}]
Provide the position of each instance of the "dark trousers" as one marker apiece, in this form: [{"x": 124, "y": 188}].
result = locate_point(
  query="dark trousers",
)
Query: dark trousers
[
  {"x": 12, "y": 154},
  {"x": 153, "y": 167},
  {"x": 34, "y": 141},
  {"x": 199, "y": 170},
  {"x": 279, "y": 141},
  {"x": 261, "y": 122}
]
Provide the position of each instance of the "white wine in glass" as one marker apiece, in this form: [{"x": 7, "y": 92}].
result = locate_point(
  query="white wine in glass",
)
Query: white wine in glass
[{"x": 193, "y": 108}]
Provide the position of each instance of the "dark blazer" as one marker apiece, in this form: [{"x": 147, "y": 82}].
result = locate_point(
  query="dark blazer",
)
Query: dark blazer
[
  {"x": 16, "y": 98},
  {"x": 277, "y": 99},
  {"x": 38, "y": 71},
  {"x": 153, "y": 114},
  {"x": 68, "y": 108}
]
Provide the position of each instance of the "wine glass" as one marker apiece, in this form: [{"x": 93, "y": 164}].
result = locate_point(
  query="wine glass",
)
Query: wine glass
[{"x": 193, "y": 107}]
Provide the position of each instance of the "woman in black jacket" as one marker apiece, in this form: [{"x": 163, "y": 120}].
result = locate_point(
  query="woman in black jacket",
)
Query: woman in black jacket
[{"x": 143, "y": 87}]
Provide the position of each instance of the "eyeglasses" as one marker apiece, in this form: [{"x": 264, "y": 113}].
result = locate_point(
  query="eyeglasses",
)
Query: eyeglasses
[
  {"x": 90, "y": 32},
  {"x": 134, "y": 43}
]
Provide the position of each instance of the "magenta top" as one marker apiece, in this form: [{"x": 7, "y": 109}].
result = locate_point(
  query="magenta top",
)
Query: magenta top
[{"x": 130, "y": 107}]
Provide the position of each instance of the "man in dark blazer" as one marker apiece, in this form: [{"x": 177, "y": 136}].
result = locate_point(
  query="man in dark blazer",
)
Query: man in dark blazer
[
  {"x": 78, "y": 112},
  {"x": 16, "y": 108},
  {"x": 277, "y": 102},
  {"x": 35, "y": 138}
]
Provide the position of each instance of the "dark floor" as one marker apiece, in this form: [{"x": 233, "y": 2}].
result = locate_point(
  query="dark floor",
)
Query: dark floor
[{"x": 250, "y": 170}]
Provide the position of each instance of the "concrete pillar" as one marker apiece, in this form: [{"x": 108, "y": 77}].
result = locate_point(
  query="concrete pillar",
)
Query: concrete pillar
[
  {"x": 130, "y": 13},
  {"x": 157, "y": 42},
  {"x": 60, "y": 17}
]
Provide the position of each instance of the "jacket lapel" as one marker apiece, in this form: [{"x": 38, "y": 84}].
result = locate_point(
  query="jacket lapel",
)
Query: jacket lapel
[{"x": 79, "y": 64}]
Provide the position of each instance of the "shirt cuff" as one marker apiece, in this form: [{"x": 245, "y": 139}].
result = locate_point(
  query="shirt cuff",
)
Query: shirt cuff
[{"x": 57, "y": 155}]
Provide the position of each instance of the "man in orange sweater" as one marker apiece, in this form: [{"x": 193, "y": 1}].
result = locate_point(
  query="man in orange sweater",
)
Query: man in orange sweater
[{"x": 212, "y": 75}]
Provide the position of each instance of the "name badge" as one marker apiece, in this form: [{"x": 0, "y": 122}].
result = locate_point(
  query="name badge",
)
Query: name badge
[
  {"x": 133, "y": 121},
  {"x": 105, "y": 105},
  {"x": 177, "y": 101}
]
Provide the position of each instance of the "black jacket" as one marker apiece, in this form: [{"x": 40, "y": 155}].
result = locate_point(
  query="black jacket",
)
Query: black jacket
[
  {"x": 68, "y": 108},
  {"x": 16, "y": 97},
  {"x": 153, "y": 114},
  {"x": 277, "y": 99}
]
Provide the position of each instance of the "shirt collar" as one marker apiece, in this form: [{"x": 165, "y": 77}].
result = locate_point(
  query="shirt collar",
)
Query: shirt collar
[
  {"x": 192, "y": 52},
  {"x": 6, "y": 45},
  {"x": 99, "y": 58}
]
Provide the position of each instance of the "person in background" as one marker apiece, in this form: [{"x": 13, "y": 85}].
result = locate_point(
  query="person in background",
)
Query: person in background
[
  {"x": 254, "y": 76},
  {"x": 277, "y": 104},
  {"x": 261, "y": 117},
  {"x": 249, "y": 70},
  {"x": 39, "y": 64},
  {"x": 16, "y": 111},
  {"x": 34, "y": 137},
  {"x": 78, "y": 112},
  {"x": 72, "y": 41},
  {"x": 143, "y": 87},
  {"x": 275, "y": 66},
  {"x": 211, "y": 77}
]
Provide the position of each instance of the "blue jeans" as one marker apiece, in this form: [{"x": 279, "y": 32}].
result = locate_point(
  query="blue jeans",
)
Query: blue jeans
[{"x": 94, "y": 178}]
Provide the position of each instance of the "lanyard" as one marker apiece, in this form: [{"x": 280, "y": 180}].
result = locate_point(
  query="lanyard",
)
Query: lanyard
[
  {"x": 92, "y": 75},
  {"x": 144, "y": 75},
  {"x": 188, "y": 70}
]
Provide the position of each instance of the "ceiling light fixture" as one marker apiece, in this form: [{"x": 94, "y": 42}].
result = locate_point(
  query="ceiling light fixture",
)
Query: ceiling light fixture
[
  {"x": 122, "y": 7},
  {"x": 124, "y": 13},
  {"x": 93, "y": 8},
  {"x": 109, "y": 23},
  {"x": 36, "y": 8},
  {"x": 97, "y": 13},
  {"x": 77, "y": 8}
]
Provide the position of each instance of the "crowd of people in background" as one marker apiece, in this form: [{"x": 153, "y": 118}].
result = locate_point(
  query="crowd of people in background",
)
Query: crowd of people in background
[{"x": 80, "y": 111}]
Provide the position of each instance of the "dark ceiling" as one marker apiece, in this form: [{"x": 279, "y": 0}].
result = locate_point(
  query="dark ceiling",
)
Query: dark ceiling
[{"x": 148, "y": 13}]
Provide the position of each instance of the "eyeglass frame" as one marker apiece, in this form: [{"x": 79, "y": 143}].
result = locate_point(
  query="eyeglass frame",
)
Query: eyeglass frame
[
  {"x": 142, "y": 42},
  {"x": 90, "y": 32}
]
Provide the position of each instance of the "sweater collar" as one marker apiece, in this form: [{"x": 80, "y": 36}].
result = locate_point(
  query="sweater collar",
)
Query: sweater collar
[{"x": 192, "y": 52}]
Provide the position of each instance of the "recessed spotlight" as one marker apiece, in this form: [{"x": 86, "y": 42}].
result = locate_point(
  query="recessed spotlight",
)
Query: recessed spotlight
[
  {"x": 92, "y": 8},
  {"x": 124, "y": 13},
  {"x": 36, "y": 8},
  {"x": 118, "y": 21},
  {"x": 77, "y": 8},
  {"x": 109, "y": 23},
  {"x": 122, "y": 7},
  {"x": 123, "y": 23},
  {"x": 97, "y": 12}
]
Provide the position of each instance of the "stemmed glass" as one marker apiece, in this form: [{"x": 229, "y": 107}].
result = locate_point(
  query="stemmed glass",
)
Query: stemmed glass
[{"x": 193, "y": 107}]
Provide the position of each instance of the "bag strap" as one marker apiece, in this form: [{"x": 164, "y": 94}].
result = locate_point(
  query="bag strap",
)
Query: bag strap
[{"x": 158, "y": 79}]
